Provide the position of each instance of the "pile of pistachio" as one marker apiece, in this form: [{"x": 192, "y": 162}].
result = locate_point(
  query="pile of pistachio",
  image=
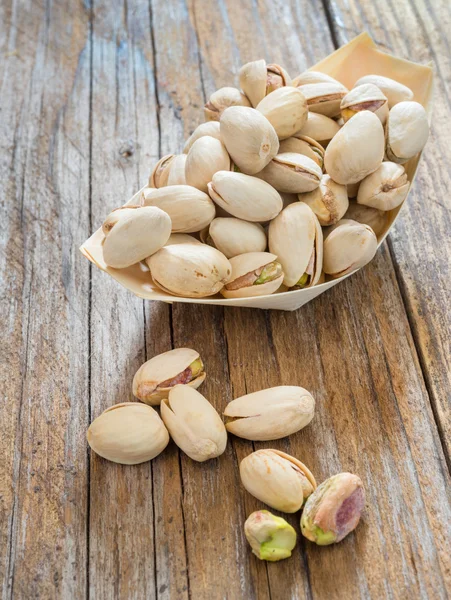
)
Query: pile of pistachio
[
  {"x": 273, "y": 168},
  {"x": 133, "y": 432}
]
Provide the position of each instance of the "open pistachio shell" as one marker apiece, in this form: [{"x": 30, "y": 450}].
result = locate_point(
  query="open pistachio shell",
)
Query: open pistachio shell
[
  {"x": 177, "y": 170},
  {"x": 301, "y": 144},
  {"x": 169, "y": 170},
  {"x": 329, "y": 201},
  {"x": 312, "y": 77},
  {"x": 156, "y": 377},
  {"x": 365, "y": 97},
  {"x": 292, "y": 173},
  {"x": 286, "y": 110},
  {"x": 384, "y": 189},
  {"x": 320, "y": 128},
  {"x": 376, "y": 219},
  {"x": 253, "y": 274},
  {"x": 233, "y": 236},
  {"x": 407, "y": 131},
  {"x": 257, "y": 79},
  {"x": 324, "y": 98},
  {"x": 210, "y": 128},
  {"x": 222, "y": 99},
  {"x": 393, "y": 90},
  {"x": 206, "y": 156},
  {"x": 271, "y": 538},
  {"x": 181, "y": 238},
  {"x": 349, "y": 246}
]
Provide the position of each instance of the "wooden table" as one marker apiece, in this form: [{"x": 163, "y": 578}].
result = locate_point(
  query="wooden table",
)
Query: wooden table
[{"x": 91, "y": 96}]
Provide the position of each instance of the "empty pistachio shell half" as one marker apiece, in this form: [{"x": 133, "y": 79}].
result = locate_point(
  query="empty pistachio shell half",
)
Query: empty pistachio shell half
[
  {"x": 169, "y": 170},
  {"x": 182, "y": 238},
  {"x": 333, "y": 510},
  {"x": 249, "y": 137},
  {"x": 206, "y": 156},
  {"x": 301, "y": 144},
  {"x": 356, "y": 150},
  {"x": 222, "y": 99},
  {"x": 393, "y": 90},
  {"x": 296, "y": 238},
  {"x": 253, "y": 274},
  {"x": 312, "y": 77},
  {"x": 329, "y": 201},
  {"x": 365, "y": 97},
  {"x": 190, "y": 209},
  {"x": 376, "y": 219},
  {"x": 155, "y": 378},
  {"x": 193, "y": 423},
  {"x": 233, "y": 236},
  {"x": 245, "y": 197},
  {"x": 270, "y": 414},
  {"x": 210, "y": 128},
  {"x": 407, "y": 131},
  {"x": 271, "y": 538},
  {"x": 257, "y": 79},
  {"x": 320, "y": 128},
  {"x": 324, "y": 98},
  {"x": 277, "y": 479},
  {"x": 129, "y": 433},
  {"x": 286, "y": 110},
  {"x": 384, "y": 189},
  {"x": 349, "y": 246},
  {"x": 191, "y": 270},
  {"x": 292, "y": 173},
  {"x": 133, "y": 233}
]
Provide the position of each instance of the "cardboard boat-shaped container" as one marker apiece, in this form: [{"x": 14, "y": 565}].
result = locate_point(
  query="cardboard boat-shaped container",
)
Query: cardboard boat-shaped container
[{"x": 347, "y": 64}]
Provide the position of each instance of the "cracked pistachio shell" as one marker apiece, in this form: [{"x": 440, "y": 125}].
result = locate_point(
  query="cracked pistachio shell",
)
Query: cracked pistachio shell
[
  {"x": 129, "y": 433},
  {"x": 257, "y": 79},
  {"x": 333, "y": 510},
  {"x": 210, "y": 128},
  {"x": 169, "y": 170},
  {"x": 206, "y": 156},
  {"x": 156, "y": 377},
  {"x": 324, "y": 98},
  {"x": 376, "y": 219},
  {"x": 329, "y": 201},
  {"x": 301, "y": 144},
  {"x": 245, "y": 197},
  {"x": 271, "y": 538},
  {"x": 190, "y": 209},
  {"x": 233, "y": 236},
  {"x": 308, "y": 77},
  {"x": 384, "y": 189},
  {"x": 393, "y": 90},
  {"x": 407, "y": 131},
  {"x": 181, "y": 238},
  {"x": 356, "y": 150},
  {"x": 286, "y": 110},
  {"x": 292, "y": 173},
  {"x": 253, "y": 274},
  {"x": 222, "y": 99},
  {"x": 320, "y": 128},
  {"x": 133, "y": 233},
  {"x": 277, "y": 479},
  {"x": 349, "y": 246},
  {"x": 190, "y": 270},
  {"x": 177, "y": 170},
  {"x": 296, "y": 238},
  {"x": 193, "y": 423},
  {"x": 270, "y": 414},
  {"x": 365, "y": 97},
  {"x": 249, "y": 137}
]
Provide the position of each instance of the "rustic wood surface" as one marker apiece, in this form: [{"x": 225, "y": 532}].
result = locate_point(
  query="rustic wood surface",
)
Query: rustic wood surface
[{"x": 91, "y": 95}]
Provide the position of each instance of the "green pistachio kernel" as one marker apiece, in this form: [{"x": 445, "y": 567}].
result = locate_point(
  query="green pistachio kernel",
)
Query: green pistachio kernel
[
  {"x": 196, "y": 367},
  {"x": 269, "y": 273}
]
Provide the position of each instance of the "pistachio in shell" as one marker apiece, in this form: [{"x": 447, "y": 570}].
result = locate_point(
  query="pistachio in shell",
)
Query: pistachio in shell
[
  {"x": 320, "y": 128},
  {"x": 407, "y": 131},
  {"x": 257, "y": 79},
  {"x": 349, "y": 246},
  {"x": 233, "y": 236},
  {"x": 253, "y": 274},
  {"x": 271, "y": 538},
  {"x": 301, "y": 144},
  {"x": 210, "y": 128},
  {"x": 169, "y": 170},
  {"x": 206, "y": 156},
  {"x": 222, "y": 99},
  {"x": 308, "y": 77},
  {"x": 365, "y": 97},
  {"x": 292, "y": 173},
  {"x": 286, "y": 110},
  {"x": 393, "y": 90},
  {"x": 384, "y": 189},
  {"x": 325, "y": 97},
  {"x": 376, "y": 219},
  {"x": 329, "y": 201}
]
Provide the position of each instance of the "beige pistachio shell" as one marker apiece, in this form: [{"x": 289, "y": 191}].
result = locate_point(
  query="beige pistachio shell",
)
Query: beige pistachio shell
[
  {"x": 193, "y": 423},
  {"x": 324, "y": 98},
  {"x": 233, "y": 236},
  {"x": 210, "y": 128},
  {"x": 286, "y": 110},
  {"x": 352, "y": 189},
  {"x": 407, "y": 131},
  {"x": 134, "y": 233},
  {"x": 249, "y": 137},
  {"x": 159, "y": 176},
  {"x": 155, "y": 378},
  {"x": 257, "y": 79},
  {"x": 253, "y": 274},
  {"x": 190, "y": 270},
  {"x": 129, "y": 433},
  {"x": 181, "y": 238},
  {"x": 292, "y": 173},
  {"x": 348, "y": 247},
  {"x": 177, "y": 170},
  {"x": 277, "y": 479},
  {"x": 245, "y": 197},
  {"x": 329, "y": 201},
  {"x": 393, "y": 90},
  {"x": 376, "y": 219},
  {"x": 301, "y": 144},
  {"x": 270, "y": 414},
  {"x": 190, "y": 209},
  {"x": 384, "y": 189},
  {"x": 320, "y": 128},
  {"x": 365, "y": 97},
  {"x": 222, "y": 99},
  {"x": 308, "y": 77},
  {"x": 356, "y": 150},
  {"x": 206, "y": 156}
]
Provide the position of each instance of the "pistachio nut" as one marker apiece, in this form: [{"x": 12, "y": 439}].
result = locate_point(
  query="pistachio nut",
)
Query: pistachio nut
[
  {"x": 190, "y": 209},
  {"x": 296, "y": 238},
  {"x": 302, "y": 144},
  {"x": 384, "y": 189},
  {"x": 312, "y": 77},
  {"x": 277, "y": 479},
  {"x": 349, "y": 246},
  {"x": 177, "y": 170},
  {"x": 270, "y": 537},
  {"x": 245, "y": 197},
  {"x": 181, "y": 238},
  {"x": 407, "y": 131},
  {"x": 222, "y": 99},
  {"x": 210, "y": 128},
  {"x": 133, "y": 233},
  {"x": 156, "y": 377},
  {"x": 320, "y": 128},
  {"x": 129, "y": 433},
  {"x": 393, "y": 90},
  {"x": 206, "y": 156},
  {"x": 376, "y": 219},
  {"x": 270, "y": 414},
  {"x": 324, "y": 98},
  {"x": 193, "y": 423},
  {"x": 249, "y": 137},
  {"x": 233, "y": 236},
  {"x": 169, "y": 170},
  {"x": 333, "y": 510},
  {"x": 356, "y": 150},
  {"x": 253, "y": 274},
  {"x": 292, "y": 173},
  {"x": 190, "y": 270},
  {"x": 329, "y": 201},
  {"x": 352, "y": 189},
  {"x": 365, "y": 97},
  {"x": 257, "y": 79},
  {"x": 286, "y": 110}
]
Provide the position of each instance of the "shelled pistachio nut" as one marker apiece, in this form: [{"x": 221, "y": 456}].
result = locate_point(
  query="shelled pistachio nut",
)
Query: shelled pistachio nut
[
  {"x": 356, "y": 150},
  {"x": 384, "y": 189},
  {"x": 206, "y": 156},
  {"x": 329, "y": 201},
  {"x": 210, "y": 128},
  {"x": 407, "y": 131},
  {"x": 222, "y": 99},
  {"x": 233, "y": 236},
  {"x": 324, "y": 98},
  {"x": 169, "y": 170},
  {"x": 133, "y": 233},
  {"x": 277, "y": 479},
  {"x": 376, "y": 219},
  {"x": 333, "y": 510},
  {"x": 349, "y": 246},
  {"x": 245, "y": 197},
  {"x": 257, "y": 79},
  {"x": 302, "y": 144},
  {"x": 296, "y": 238},
  {"x": 365, "y": 97},
  {"x": 320, "y": 128},
  {"x": 181, "y": 238},
  {"x": 191, "y": 270},
  {"x": 156, "y": 377},
  {"x": 193, "y": 423},
  {"x": 249, "y": 137},
  {"x": 286, "y": 110},
  {"x": 308, "y": 77},
  {"x": 129, "y": 433},
  {"x": 292, "y": 173},
  {"x": 253, "y": 274},
  {"x": 190, "y": 209},
  {"x": 270, "y": 414},
  {"x": 271, "y": 538},
  {"x": 393, "y": 90}
]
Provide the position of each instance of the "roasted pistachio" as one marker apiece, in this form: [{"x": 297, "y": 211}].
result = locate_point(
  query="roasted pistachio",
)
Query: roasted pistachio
[
  {"x": 253, "y": 274},
  {"x": 324, "y": 98},
  {"x": 210, "y": 128},
  {"x": 407, "y": 131},
  {"x": 206, "y": 156},
  {"x": 329, "y": 201},
  {"x": 270, "y": 537},
  {"x": 320, "y": 128},
  {"x": 365, "y": 97},
  {"x": 286, "y": 110},
  {"x": 393, "y": 90},
  {"x": 169, "y": 170},
  {"x": 257, "y": 79},
  {"x": 292, "y": 173},
  {"x": 233, "y": 236},
  {"x": 222, "y": 99},
  {"x": 308, "y": 77},
  {"x": 376, "y": 219},
  {"x": 384, "y": 189},
  {"x": 301, "y": 144},
  {"x": 349, "y": 246}
]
